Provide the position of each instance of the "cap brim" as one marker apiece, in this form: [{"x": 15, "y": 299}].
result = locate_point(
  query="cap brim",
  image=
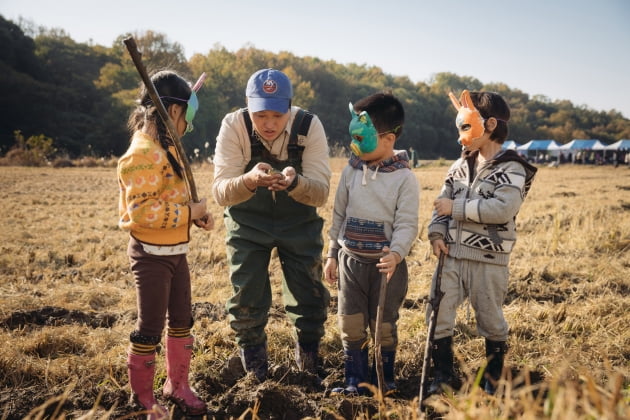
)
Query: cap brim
[{"x": 268, "y": 104}]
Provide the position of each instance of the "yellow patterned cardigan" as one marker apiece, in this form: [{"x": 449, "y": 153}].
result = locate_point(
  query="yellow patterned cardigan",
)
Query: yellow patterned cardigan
[{"x": 153, "y": 199}]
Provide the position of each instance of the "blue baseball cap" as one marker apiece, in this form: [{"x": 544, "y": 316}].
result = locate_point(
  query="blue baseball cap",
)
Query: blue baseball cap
[{"x": 269, "y": 90}]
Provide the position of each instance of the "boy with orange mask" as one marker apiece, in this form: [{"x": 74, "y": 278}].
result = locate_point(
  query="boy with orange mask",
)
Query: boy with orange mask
[{"x": 473, "y": 223}]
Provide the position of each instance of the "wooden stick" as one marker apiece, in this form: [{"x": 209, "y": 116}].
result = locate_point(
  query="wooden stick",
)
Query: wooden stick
[
  {"x": 136, "y": 56},
  {"x": 435, "y": 307},
  {"x": 378, "y": 356}
]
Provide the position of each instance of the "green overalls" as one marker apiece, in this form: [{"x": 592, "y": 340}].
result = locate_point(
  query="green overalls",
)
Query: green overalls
[{"x": 254, "y": 228}]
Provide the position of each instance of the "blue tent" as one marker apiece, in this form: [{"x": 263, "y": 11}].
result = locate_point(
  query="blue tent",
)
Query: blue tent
[
  {"x": 583, "y": 145},
  {"x": 549, "y": 145},
  {"x": 623, "y": 144}
]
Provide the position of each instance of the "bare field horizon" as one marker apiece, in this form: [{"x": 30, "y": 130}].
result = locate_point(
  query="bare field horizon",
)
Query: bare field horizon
[{"x": 67, "y": 306}]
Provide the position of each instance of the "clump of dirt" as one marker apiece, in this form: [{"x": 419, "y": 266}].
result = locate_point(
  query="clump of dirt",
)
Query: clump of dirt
[
  {"x": 55, "y": 316},
  {"x": 564, "y": 194}
]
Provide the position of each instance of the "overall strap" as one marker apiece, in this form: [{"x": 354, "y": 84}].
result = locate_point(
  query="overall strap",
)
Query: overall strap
[
  {"x": 255, "y": 144},
  {"x": 300, "y": 127},
  {"x": 301, "y": 124}
]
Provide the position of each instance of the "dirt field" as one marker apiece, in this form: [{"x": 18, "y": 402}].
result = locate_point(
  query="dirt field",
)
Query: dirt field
[{"x": 67, "y": 306}]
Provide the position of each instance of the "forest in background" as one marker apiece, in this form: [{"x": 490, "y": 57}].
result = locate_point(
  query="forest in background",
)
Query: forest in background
[{"x": 73, "y": 99}]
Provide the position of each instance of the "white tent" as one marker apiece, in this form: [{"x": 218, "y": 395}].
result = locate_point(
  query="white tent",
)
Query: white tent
[
  {"x": 547, "y": 145},
  {"x": 510, "y": 145},
  {"x": 623, "y": 144},
  {"x": 583, "y": 145},
  {"x": 540, "y": 149}
]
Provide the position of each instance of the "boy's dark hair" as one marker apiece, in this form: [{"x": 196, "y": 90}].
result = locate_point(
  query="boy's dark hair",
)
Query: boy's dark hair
[
  {"x": 491, "y": 104},
  {"x": 385, "y": 111},
  {"x": 172, "y": 89}
]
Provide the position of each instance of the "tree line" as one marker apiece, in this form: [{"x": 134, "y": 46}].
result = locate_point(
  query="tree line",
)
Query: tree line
[{"x": 78, "y": 96}]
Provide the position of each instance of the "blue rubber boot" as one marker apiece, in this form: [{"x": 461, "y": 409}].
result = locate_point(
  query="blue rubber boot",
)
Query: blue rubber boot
[
  {"x": 356, "y": 372},
  {"x": 388, "y": 357}
]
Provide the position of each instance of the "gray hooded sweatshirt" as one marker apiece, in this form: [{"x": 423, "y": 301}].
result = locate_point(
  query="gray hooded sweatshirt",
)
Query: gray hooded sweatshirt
[{"x": 376, "y": 206}]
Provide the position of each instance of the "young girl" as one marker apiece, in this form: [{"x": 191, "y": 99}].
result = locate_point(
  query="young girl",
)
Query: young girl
[{"x": 155, "y": 208}]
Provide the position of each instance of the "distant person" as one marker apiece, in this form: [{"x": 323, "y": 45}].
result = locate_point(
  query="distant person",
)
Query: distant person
[
  {"x": 374, "y": 225},
  {"x": 271, "y": 173},
  {"x": 473, "y": 223},
  {"x": 156, "y": 209},
  {"x": 414, "y": 157}
]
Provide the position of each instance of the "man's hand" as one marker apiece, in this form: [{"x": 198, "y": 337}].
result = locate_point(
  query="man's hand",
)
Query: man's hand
[
  {"x": 262, "y": 175},
  {"x": 288, "y": 175}
]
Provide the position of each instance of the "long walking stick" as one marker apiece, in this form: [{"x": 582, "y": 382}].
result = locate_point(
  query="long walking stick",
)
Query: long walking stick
[
  {"x": 435, "y": 307},
  {"x": 378, "y": 356},
  {"x": 136, "y": 56}
]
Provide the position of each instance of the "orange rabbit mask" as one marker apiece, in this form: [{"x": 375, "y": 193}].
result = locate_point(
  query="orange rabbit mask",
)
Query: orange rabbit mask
[{"x": 469, "y": 121}]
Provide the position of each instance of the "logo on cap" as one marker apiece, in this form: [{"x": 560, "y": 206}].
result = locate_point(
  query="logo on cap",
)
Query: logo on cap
[{"x": 270, "y": 86}]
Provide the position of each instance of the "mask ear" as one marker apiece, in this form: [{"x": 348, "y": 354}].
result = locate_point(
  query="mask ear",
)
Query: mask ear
[
  {"x": 351, "y": 109},
  {"x": 469, "y": 121},
  {"x": 454, "y": 100},
  {"x": 467, "y": 101}
]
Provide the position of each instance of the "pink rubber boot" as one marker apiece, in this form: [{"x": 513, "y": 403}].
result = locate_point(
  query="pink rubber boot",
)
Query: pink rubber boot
[
  {"x": 141, "y": 370},
  {"x": 176, "y": 388}
]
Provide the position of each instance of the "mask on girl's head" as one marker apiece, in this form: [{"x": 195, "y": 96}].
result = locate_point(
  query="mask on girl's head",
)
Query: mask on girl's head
[
  {"x": 192, "y": 102},
  {"x": 469, "y": 121},
  {"x": 363, "y": 133}
]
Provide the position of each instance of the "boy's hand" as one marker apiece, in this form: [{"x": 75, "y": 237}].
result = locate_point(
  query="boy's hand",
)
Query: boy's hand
[
  {"x": 388, "y": 262},
  {"x": 330, "y": 271},
  {"x": 439, "y": 246},
  {"x": 443, "y": 206}
]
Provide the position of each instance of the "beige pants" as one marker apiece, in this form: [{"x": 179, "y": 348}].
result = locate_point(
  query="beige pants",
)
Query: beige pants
[{"x": 486, "y": 287}]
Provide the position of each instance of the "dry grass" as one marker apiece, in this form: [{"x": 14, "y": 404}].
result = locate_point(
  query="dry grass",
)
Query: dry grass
[{"x": 67, "y": 304}]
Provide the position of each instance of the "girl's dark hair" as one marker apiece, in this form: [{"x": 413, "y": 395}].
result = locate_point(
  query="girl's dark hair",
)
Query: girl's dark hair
[
  {"x": 385, "y": 111},
  {"x": 491, "y": 104},
  {"x": 170, "y": 87}
]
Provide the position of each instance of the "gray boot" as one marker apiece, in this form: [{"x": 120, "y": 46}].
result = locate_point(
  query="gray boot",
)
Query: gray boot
[
  {"x": 254, "y": 360},
  {"x": 306, "y": 357},
  {"x": 495, "y": 352}
]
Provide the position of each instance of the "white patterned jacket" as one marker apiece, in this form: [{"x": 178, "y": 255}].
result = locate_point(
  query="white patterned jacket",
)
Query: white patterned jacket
[{"x": 486, "y": 200}]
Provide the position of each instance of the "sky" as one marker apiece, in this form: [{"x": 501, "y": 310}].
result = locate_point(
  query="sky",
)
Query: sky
[{"x": 576, "y": 50}]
